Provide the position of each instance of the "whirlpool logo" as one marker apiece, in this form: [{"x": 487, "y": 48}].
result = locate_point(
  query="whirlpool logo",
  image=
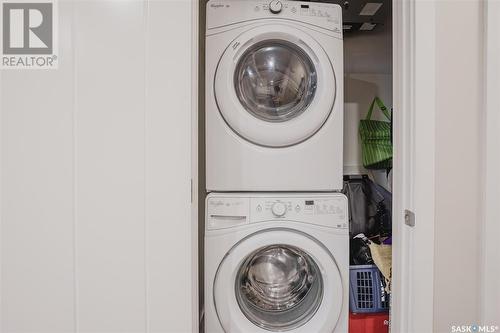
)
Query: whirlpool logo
[{"x": 28, "y": 34}]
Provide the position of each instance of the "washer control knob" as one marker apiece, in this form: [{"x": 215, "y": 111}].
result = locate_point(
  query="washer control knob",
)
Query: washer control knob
[
  {"x": 275, "y": 6},
  {"x": 278, "y": 209}
]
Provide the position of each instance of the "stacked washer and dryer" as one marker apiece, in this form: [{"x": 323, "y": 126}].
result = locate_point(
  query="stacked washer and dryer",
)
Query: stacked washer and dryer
[{"x": 276, "y": 226}]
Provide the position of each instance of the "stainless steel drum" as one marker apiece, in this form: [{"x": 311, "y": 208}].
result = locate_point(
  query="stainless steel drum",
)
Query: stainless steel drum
[
  {"x": 279, "y": 287},
  {"x": 275, "y": 80}
]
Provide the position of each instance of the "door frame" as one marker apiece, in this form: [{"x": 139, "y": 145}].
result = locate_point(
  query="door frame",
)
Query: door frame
[
  {"x": 195, "y": 301},
  {"x": 490, "y": 263},
  {"x": 414, "y": 48}
]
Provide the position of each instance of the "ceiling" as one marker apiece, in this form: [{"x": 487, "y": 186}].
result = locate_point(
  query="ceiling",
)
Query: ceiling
[
  {"x": 357, "y": 12},
  {"x": 366, "y": 51}
]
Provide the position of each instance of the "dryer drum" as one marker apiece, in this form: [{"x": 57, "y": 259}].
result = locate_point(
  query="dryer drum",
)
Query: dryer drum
[
  {"x": 279, "y": 287},
  {"x": 275, "y": 80}
]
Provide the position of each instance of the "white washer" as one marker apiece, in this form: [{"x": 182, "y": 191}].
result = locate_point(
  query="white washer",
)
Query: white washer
[
  {"x": 276, "y": 262},
  {"x": 274, "y": 96}
]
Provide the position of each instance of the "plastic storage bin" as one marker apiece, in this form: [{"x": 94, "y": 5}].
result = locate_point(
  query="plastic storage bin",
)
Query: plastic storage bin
[
  {"x": 367, "y": 294},
  {"x": 369, "y": 323}
]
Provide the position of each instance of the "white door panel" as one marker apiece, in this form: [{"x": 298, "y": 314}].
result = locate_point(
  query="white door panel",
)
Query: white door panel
[
  {"x": 96, "y": 231},
  {"x": 37, "y": 280},
  {"x": 168, "y": 166},
  {"x": 109, "y": 151}
]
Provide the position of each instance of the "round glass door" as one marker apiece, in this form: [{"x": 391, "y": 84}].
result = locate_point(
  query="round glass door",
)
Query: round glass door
[
  {"x": 279, "y": 287},
  {"x": 265, "y": 282},
  {"x": 275, "y": 80},
  {"x": 274, "y": 85}
]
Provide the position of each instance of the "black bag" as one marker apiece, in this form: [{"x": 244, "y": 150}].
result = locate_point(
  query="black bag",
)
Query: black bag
[
  {"x": 370, "y": 207},
  {"x": 360, "y": 253}
]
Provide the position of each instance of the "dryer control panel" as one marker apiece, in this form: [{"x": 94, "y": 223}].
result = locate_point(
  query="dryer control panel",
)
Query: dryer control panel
[
  {"x": 225, "y": 211},
  {"x": 227, "y": 12}
]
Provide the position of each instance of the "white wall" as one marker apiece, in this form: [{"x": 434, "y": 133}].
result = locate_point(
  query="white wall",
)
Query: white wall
[
  {"x": 369, "y": 52},
  {"x": 360, "y": 89},
  {"x": 459, "y": 169},
  {"x": 96, "y": 233}
]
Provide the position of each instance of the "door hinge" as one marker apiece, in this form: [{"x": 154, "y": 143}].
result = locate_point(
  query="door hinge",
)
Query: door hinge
[
  {"x": 191, "y": 190},
  {"x": 409, "y": 218}
]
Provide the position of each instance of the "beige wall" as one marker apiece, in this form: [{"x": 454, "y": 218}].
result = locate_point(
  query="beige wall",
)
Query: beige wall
[
  {"x": 491, "y": 260},
  {"x": 458, "y": 168}
]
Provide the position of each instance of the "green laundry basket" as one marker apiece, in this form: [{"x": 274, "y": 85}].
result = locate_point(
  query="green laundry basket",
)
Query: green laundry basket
[{"x": 376, "y": 145}]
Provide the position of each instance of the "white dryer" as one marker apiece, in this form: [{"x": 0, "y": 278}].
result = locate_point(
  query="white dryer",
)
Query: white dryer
[
  {"x": 274, "y": 96},
  {"x": 276, "y": 262}
]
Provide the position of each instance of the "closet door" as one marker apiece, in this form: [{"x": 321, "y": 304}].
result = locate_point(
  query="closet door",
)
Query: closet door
[
  {"x": 414, "y": 166},
  {"x": 110, "y": 249},
  {"x": 96, "y": 226},
  {"x": 438, "y": 165},
  {"x": 37, "y": 211}
]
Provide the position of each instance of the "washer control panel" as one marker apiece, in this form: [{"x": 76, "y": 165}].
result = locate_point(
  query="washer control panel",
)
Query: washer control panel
[
  {"x": 299, "y": 9},
  {"x": 226, "y": 12},
  {"x": 328, "y": 210},
  {"x": 320, "y": 210}
]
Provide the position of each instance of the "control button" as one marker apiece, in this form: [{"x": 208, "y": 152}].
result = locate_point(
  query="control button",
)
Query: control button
[
  {"x": 275, "y": 6},
  {"x": 297, "y": 208},
  {"x": 294, "y": 10},
  {"x": 278, "y": 209},
  {"x": 259, "y": 208}
]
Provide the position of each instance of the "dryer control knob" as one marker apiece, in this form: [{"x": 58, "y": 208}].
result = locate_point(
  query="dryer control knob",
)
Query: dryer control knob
[
  {"x": 275, "y": 6},
  {"x": 278, "y": 209}
]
